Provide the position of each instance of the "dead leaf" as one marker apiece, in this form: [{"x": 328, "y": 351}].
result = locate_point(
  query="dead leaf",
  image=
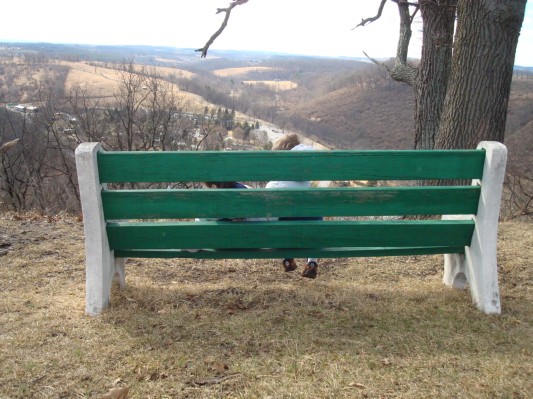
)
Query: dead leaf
[
  {"x": 356, "y": 385},
  {"x": 219, "y": 367},
  {"x": 117, "y": 393},
  {"x": 386, "y": 362}
]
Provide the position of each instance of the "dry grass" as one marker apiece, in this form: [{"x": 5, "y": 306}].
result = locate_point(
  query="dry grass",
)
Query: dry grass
[
  {"x": 104, "y": 82},
  {"x": 365, "y": 328},
  {"x": 241, "y": 71},
  {"x": 273, "y": 84},
  {"x": 36, "y": 74},
  {"x": 167, "y": 71},
  {"x": 167, "y": 60}
]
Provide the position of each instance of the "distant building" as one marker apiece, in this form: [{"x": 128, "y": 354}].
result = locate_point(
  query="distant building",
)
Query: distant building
[{"x": 26, "y": 108}]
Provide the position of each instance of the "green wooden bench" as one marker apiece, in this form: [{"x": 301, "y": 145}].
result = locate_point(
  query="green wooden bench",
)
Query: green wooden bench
[{"x": 159, "y": 223}]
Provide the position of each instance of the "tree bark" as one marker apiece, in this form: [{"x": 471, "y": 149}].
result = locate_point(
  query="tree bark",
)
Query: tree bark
[
  {"x": 475, "y": 106},
  {"x": 434, "y": 69}
]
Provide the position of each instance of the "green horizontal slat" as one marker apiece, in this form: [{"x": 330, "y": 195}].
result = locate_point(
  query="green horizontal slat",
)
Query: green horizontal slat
[
  {"x": 159, "y": 166},
  {"x": 231, "y": 203},
  {"x": 289, "y": 234},
  {"x": 289, "y": 253}
]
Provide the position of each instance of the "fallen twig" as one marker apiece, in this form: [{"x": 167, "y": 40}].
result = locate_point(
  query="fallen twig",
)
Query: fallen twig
[{"x": 216, "y": 380}]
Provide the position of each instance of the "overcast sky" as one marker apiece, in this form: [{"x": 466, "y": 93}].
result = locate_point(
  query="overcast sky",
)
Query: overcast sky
[{"x": 310, "y": 27}]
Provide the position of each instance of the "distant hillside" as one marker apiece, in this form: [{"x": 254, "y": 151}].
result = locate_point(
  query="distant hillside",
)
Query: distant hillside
[
  {"x": 520, "y": 146},
  {"x": 360, "y": 117},
  {"x": 342, "y": 103}
]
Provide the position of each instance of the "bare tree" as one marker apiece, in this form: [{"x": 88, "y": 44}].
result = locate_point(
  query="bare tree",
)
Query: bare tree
[
  {"x": 148, "y": 113},
  {"x": 60, "y": 167},
  {"x": 461, "y": 96},
  {"x": 163, "y": 126},
  {"x": 87, "y": 110},
  {"x": 22, "y": 166},
  {"x": 129, "y": 99},
  {"x": 37, "y": 169}
]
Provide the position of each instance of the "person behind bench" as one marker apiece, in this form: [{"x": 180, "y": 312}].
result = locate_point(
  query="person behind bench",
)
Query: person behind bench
[
  {"x": 310, "y": 271},
  {"x": 292, "y": 142}
]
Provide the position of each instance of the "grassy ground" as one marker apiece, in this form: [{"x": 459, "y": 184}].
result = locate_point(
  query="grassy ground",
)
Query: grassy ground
[{"x": 365, "y": 328}]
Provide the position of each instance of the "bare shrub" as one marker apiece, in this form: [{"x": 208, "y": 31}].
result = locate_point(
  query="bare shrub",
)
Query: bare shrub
[{"x": 517, "y": 200}]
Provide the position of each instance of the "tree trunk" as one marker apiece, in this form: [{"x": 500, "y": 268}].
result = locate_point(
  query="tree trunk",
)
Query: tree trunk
[
  {"x": 475, "y": 107},
  {"x": 434, "y": 69}
]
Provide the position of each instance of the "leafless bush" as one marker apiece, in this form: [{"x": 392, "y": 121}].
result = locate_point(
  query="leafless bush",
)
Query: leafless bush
[
  {"x": 517, "y": 200},
  {"x": 148, "y": 113}
]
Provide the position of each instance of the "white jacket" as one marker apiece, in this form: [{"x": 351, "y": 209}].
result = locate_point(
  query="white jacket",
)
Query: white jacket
[{"x": 292, "y": 184}]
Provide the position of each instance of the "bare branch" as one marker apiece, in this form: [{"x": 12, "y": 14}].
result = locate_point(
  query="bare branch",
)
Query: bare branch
[
  {"x": 401, "y": 71},
  {"x": 377, "y": 62},
  {"x": 365, "y": 21},
  {"x": 405, "y": 33},
  {"x": 222, "y": 27}
]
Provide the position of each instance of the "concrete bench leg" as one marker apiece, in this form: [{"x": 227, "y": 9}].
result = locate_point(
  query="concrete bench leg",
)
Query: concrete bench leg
[
  {"x": 120, "y": 272},
  {"x": 479, "y": 266},
  {"x": 101, "y": 266}
]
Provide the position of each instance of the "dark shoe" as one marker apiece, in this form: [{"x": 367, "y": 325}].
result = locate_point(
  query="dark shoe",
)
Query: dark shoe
[
  {"x": 310, "y": 270},
  {"x": 289, "y": 265}
]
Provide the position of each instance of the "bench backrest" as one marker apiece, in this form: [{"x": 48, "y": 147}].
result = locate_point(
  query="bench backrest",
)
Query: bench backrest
[
  {"x": 158, "y": 222},
  {"x": 359, "y": 221}
]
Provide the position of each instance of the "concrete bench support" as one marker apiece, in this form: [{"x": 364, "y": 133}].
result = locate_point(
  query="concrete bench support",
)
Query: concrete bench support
[
  {"x": 101, "y": 266},
  {"x": 478, "y": 267}
]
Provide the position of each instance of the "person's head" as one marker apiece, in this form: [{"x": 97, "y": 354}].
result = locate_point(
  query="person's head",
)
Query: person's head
[
  {"x": 219, "y": 184},
  {"x": 287, "y": 142}
]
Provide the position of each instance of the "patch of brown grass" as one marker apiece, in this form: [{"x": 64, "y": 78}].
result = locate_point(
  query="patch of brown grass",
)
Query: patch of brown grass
[
  {"x": 105, "y": 82},
  {"x": 241, "y": 71},
  {"x": 273, "y": 84},
  {"x": 365, "y": 328}
]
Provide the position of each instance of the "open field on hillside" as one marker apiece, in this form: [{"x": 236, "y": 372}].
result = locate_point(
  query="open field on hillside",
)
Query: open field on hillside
[
  {"x": 104, "y": 82},
  {"x": 279, "y": 85},
  {"x": 179, "y": 73},
  {"x": 37, "y": 75},
  {"x": 241, "y": 71},
  {"x": 273, "y": 84},
  {"x": 365, "y": 328},
  {"x": 167, "y": 60}
]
